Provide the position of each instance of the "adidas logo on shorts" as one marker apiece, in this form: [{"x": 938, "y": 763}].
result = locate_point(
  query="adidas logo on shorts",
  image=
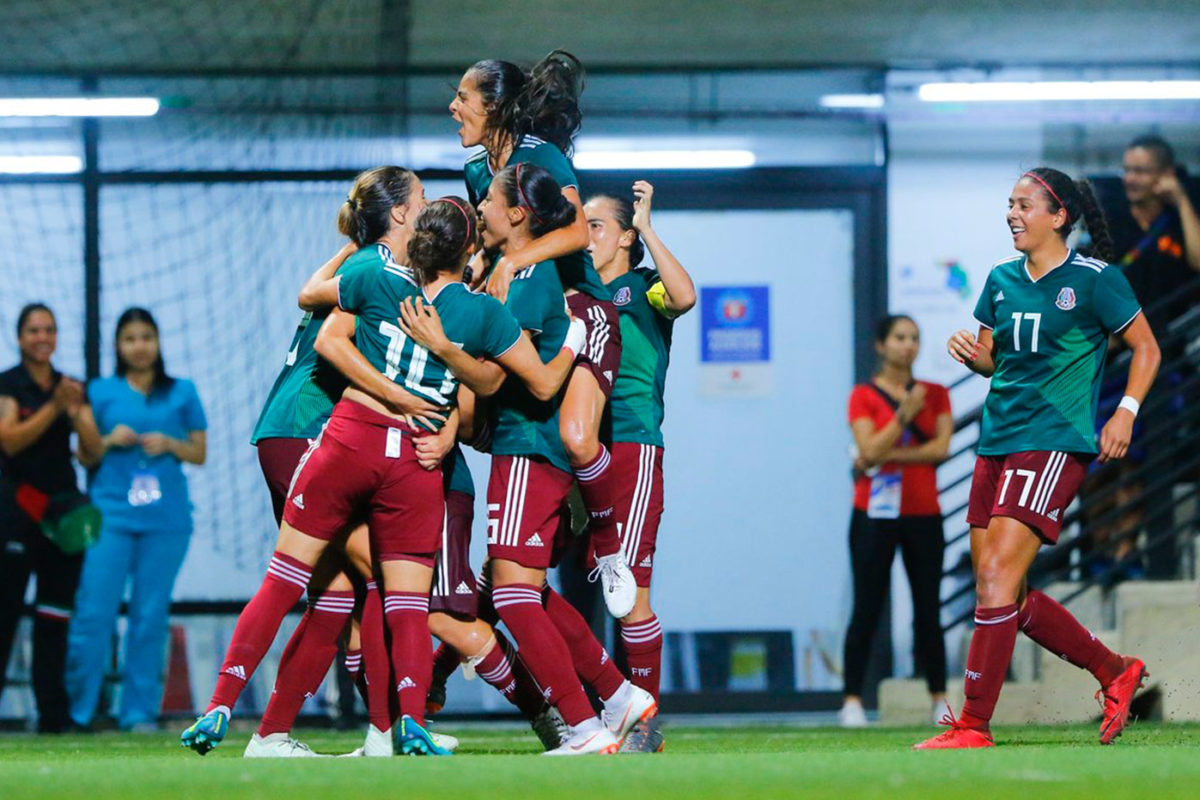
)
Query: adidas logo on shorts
[
  {"x": 407, "y": 683},
  {"x": 1053, "y": 515},
  {"x": 646, "y": 562},
  {"x": 463, "y": 588},
  {"x": 608, "y": 375},
  {"x": 534, "y": 541},
  {"x": 298, "y": 501},
  {"x": 237, "y": 671}
]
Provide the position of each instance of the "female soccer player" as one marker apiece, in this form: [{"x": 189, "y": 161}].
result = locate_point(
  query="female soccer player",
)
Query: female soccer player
[
  {"x": 902, "y": 430},
  {"x": 1044, "y": 322},
  {"x": 650, "y": 300},
  {"x": 152, "y": 423},
  {"x": 531, "y": 118},
  {"x": 530, "y": 479},
  {"x": 297, "y": 407}
]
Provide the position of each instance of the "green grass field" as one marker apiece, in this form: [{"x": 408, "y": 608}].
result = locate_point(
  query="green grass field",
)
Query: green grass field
[{"x": 1150, "y": 760}]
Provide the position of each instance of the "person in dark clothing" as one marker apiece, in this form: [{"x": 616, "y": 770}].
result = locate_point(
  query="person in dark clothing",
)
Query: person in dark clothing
[{"x": 38, "y": 409}]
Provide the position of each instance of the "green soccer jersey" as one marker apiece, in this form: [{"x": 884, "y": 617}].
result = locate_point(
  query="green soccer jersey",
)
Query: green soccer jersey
[
  {"x": 457, "y": 473},
  {"x": 303, "y": 395},
  {"x": 477, "y": 323},
  {"x": 1051, "y": 337},
  {"x": 576, "y": 270},
  {"x": 522, "y": 424},
  {"x": 646, "y": 326}
]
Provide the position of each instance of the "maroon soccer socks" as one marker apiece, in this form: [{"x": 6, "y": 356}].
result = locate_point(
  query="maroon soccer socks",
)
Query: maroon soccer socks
[
  {"x": 1056, "y": 629},
  {"x": 987, "y": 663},
  {"x": 643, "y": 643},
  {"x": 599, "y": 497}
]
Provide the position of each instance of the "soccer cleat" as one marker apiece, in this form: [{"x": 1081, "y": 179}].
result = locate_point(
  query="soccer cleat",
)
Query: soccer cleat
[
  {"x": 620, "y": 589},
  {"x": 278, "y": 745},
  {"x": 629, "y": 706},
  {"x": 206, "y": 732},
  {"x": 1117, "y": 697},
  {"x": 645, "y": 737},
  {"x": 410, "y": 739},
  {"x": 550, "y": 728},
  {"x": 959, "y": 736},
  {"x": 852, "y": 715},
  {"x": 590, "y": 738}
]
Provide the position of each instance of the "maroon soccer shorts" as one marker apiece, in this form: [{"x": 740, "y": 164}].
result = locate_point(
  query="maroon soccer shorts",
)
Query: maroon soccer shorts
[
  {"x": 454, "y": 589},
  {"x": 1033, "y": 487},
  {"x": 602, "y": 353},
  {"x": 525, "y": 506},
  {"x": 638, "y": 483},
  {"x": 278, "y": 458},
  {"x": 364, "y": 464}
]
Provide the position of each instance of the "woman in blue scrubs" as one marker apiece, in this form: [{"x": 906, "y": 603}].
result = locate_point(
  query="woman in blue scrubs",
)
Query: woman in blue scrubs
[{"x": 149, "y": 423}]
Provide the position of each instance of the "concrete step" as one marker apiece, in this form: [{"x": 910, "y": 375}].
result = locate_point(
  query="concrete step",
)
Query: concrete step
[
  {"x": 1092, "y": 608},
  {"x": 1167, "y": 637},
  {"x": 904, "y": 701}
]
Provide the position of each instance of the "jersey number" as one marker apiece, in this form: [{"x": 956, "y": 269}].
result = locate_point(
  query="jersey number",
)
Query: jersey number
[
  {"x": 1036, "y": 319},
  {"x": 416, "y": 364},
  {"x": 1027, "y": 474}
]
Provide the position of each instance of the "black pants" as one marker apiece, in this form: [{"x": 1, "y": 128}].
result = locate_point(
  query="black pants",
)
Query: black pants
[
  {"x": 25, "y": 550},
  {"x": 873, "y": 545}
]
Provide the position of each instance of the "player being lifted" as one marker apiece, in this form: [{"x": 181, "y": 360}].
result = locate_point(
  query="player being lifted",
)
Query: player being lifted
[
  {"x": 531, "y": 118},
  {"x": 1045, "y": 318},
  {"x": 649, "y": 300}
]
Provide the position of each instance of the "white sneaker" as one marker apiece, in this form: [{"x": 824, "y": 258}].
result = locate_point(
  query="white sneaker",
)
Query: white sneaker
[
  {"x": 590, "y": 737},
  {"x": 620, "y": 589},
  {"x": 278, "y": 745},
  {"x": 378, "y": 744},
  {"x": 852, "y": 715},
  {"x": 550, "y": 727},
  {"x": 628, "y": 706}
]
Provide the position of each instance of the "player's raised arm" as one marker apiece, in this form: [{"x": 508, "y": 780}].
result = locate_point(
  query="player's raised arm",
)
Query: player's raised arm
[{"x": 680, "y": 290}]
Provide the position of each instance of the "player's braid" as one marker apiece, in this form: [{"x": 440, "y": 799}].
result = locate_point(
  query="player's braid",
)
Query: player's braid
[{"x": 1095, "y": 221}]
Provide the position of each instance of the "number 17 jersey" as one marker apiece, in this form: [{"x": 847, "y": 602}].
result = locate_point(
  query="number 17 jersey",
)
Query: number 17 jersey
[{"x": 1051, "y": 338}]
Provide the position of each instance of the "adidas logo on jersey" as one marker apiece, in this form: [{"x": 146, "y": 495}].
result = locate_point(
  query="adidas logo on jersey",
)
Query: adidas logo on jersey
[
  {"x": 1053, "y": 515},
  {"x": 298, "y": 501},
  {"x": 999, "y": 296},
  {"x": 237, "y": 671},
  {"x": 646, "y": 562},
  {"x": 407, "y": 683},
  {"x": 463, "y": 588},
  {"x": 534, "y": 541}
]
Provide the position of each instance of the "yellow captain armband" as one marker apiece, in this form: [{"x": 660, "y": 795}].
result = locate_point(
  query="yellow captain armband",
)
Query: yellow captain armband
[{"x": 656, "y": 295}]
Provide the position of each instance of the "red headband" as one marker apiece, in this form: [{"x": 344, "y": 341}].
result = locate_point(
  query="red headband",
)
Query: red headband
[
  {"x": 521, "y": 193},
  {"x": 466, "y": 216},
  {"x": 1052, "y": 193}
]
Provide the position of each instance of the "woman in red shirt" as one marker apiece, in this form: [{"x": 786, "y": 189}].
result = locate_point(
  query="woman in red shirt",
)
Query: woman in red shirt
[{"x": 902, "y": 430}]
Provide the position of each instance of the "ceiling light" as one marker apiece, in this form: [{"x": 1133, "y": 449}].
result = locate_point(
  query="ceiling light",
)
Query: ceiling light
[
  {"x": 852, "y": 101},
  {"x": 1037, "y": 91},
  {"x": 78, "y": 106},
  {"x": 665, "y": 159},
  {"x": 40, "y": 165}
]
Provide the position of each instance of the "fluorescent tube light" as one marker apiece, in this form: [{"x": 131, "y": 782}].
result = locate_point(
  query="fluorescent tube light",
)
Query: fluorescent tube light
[
  {"x": 1038, "y": 91},
  {"x": 33, "y": 165},
  {"x": 852, "y": 101},
  {"x": 78, "y": 106},
  {"x": 665, "y": 159}
]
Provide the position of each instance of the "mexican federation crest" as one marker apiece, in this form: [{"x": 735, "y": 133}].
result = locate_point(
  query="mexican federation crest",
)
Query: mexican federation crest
[
  {"x": 623, "y": 296},
  {"x": 1066, "y": 298}
]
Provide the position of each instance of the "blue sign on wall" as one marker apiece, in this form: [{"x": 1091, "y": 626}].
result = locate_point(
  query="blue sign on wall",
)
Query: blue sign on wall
[{"x": 735, "y": 324}]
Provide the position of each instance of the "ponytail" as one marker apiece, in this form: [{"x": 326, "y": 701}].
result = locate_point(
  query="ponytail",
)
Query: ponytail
[
  {"x": 1078, "y": 199},
  {"x": 543, "y": 102},
  {"x": 534, "y": 189},
  {"x": 366, "y": 215},
  {"x": 1095, "y": 222}
]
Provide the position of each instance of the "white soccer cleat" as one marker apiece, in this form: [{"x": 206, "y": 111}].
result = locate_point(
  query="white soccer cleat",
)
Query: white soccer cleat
[
  {"x": 628, "y": 706},
  {"x": 550, "y": 727},
  {"x": 852, "y": 715},
  {"x": 588, "y": 738},
  {"x": 278, "y": 745},
  {"x": 378, "y": 744},
  {"x": 620, "y": 589}
]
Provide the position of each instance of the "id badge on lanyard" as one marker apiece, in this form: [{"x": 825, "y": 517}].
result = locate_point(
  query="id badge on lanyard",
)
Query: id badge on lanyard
[
  {"x": 144, "y": 488},
  {"x": 884, "y": 502}
]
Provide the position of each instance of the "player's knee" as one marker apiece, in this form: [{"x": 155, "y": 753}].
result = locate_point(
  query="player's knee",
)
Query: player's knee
[
  {"x": 581, "y": 444},
  {"x": 996, "y": 583}
]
